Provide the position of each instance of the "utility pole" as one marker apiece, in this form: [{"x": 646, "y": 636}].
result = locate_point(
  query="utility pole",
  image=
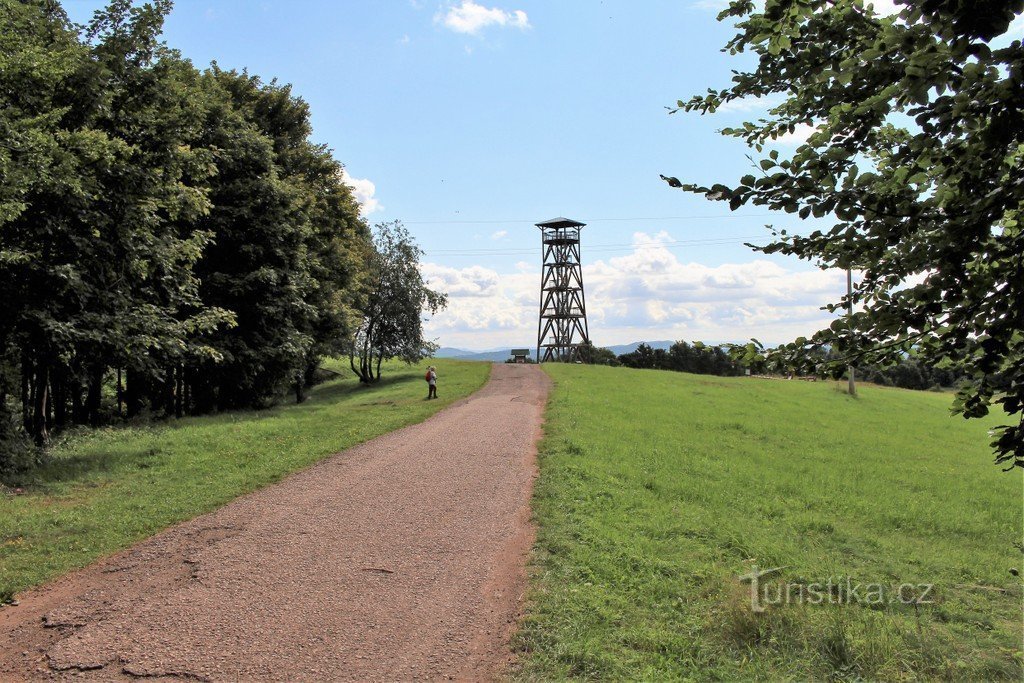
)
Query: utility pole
[{"x": 849, "y": 310}]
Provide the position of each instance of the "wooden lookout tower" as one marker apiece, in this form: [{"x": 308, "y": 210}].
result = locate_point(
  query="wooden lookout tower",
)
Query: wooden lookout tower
[{"x": 562, "y": 326}]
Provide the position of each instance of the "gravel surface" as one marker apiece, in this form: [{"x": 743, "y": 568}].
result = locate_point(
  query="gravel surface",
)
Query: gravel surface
[{"x": 400, "y": 559}]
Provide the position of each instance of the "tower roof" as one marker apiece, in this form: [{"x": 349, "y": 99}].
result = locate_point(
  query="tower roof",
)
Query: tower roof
[{"x": 560, "y": 223}]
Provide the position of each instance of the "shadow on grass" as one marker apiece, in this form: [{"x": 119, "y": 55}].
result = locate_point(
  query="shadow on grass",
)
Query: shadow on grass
[
  {"x": 62, "y": 467},
  {"x": 337, "y": 388}
]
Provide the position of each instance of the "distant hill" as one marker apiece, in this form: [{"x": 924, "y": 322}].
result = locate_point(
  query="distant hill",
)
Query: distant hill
[
  {"x": 496, "y": 355},
  {"x": 451, "y": 352},
  {"x": 620, "y": 349},
  {"x": 501, "y": 353},
  {"x": 491, "y": 356}
]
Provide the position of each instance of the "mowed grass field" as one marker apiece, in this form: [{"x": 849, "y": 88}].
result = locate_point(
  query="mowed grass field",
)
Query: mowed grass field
[
  {"x": 107, "y": 489},
  {"x": 658, "y": 490}
]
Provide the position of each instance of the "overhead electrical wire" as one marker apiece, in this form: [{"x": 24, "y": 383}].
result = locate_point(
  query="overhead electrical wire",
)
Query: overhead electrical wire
[
  {"x": 592, "y": 248},
  {"x": 526, "y": 221},
  {"x": 588, "y": 249}
]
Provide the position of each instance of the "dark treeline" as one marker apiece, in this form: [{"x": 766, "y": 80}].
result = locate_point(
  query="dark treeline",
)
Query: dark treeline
[
  {"x": 905, "y": 372},
  {"x": 705, "y": 359},
  {"x": 910, "y": 373},
  {"x": 698, "y": 358},
  {"x": 171, "y": 241}
]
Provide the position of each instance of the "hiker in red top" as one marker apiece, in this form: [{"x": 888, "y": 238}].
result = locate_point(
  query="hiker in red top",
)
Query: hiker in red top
[{"x": 432, "y": 382}]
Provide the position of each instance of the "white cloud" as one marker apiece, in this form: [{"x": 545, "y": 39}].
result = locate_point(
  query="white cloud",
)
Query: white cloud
[
  {"x": 718, "y": 6},
  {"x": 471, "y": 18},
  {"x": 711, "y": 5},
  {"x": 364, "y": 191},
  {"x": 484, "y": 307},
  {"x": 1016, "y": 28},
  {"x": 798, "y": 137},
  {"x": 750, "y": 104},
  {"x": 474, "y": 281},
  {"x": 884, "y": 7},
  {"x": 648, "y": 293},
  {"x": 500, "y": 234}
]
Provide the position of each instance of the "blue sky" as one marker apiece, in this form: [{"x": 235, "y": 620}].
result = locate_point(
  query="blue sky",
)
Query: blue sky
[{"x": 470, "y": 121}]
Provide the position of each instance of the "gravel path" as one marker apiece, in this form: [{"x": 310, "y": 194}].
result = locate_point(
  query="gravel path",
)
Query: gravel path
[{"x": 400, "y": 559}]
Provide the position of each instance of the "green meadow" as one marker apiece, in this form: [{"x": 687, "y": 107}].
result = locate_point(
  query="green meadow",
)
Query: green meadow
[
  {"x": 106, "y": 489},
  {"x": 659, "y": 490}
]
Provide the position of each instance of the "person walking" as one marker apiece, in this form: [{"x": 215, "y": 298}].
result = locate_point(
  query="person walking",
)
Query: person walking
[{"x": 432, "y": 382}]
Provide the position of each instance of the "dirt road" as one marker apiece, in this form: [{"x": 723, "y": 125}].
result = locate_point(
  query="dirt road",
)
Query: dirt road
[{"x": 399, "y": 559}]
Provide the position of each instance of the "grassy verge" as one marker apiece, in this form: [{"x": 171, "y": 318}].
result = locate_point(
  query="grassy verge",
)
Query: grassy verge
[
  {"x": 658, "y": 490},
  {"x": 107, "y": 489}
]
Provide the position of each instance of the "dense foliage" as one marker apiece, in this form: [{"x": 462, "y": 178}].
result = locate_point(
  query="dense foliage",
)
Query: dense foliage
[
  {"x": 593, "y": 355},
  {"x": 171, "y": 240},
  {"x": 698, "y": 359},
  {"x": 911, "y": 373},
  {"x": 905, "y": 372},
  {"x": 915, "y": 152}
]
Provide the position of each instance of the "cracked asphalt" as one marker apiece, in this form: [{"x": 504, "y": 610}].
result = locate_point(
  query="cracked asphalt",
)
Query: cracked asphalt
[{"x": 400, "y": 559}]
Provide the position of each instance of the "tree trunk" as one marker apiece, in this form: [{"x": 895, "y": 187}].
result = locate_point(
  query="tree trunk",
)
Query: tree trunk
[
  {"x": 40, "y": 406},
  {"x": 134, "y": 391},
  {"x": 92, "y": 401},
  {"x": 60, "y": 399},
  {"x": 187, "y": 387},
  {"x": 352, "y": 359},
  {"x": 179, "y": 390},
  {"x": 120, "y": 395},
  {"x": 94, "y": 395},
  {"x": 26, "y": 396},
  {"x": 309, "y": 372},
  {"x": 49, "y": 404},
  {"x": 78, "y": 415},
  {"x": 166, "y": 392},
  {"x": 202, "y": 391},
  {"x": 366, "y": 357}
]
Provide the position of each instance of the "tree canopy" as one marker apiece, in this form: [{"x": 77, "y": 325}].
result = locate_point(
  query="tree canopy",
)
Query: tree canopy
[
  {"x": 171, "y": 239},
  {"x": 914, "y": 156}
]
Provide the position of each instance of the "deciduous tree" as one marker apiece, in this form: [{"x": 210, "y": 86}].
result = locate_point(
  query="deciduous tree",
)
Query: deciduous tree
[
  {"x": 915, "y": 156},
  {"x": 175, "y": 229},
  {"x": 394, "y": 299},
  {"x": 96, "y": 247}
]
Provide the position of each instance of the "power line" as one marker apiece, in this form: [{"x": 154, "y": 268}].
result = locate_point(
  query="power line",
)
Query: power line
[
  {"x": 623, "y": 246},
  {"x": 590, "y": 220},
  {"x": 525, "y": 252}
]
